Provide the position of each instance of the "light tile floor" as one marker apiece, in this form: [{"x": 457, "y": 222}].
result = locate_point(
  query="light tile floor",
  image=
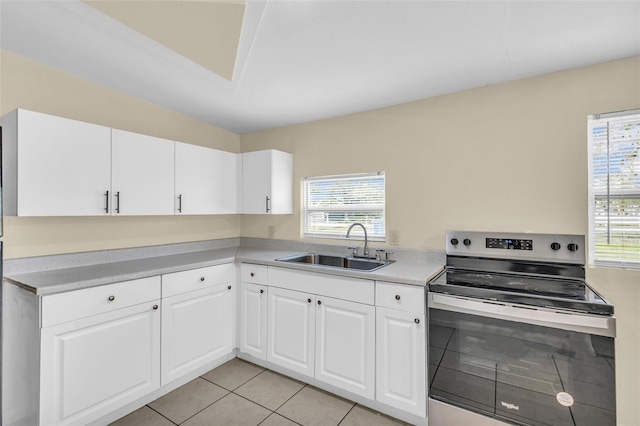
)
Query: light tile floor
[{"x": 241, "y": 393}]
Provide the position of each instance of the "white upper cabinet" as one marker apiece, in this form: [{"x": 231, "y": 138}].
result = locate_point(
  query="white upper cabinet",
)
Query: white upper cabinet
[
  {"x": 54, "y": 166},
  {"x": 205, "y": 180},
  {"x": 267, "y": 182},
  {"x": 141, "y": 174}
]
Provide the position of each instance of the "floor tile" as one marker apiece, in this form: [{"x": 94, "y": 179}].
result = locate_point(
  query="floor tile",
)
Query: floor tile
[
  {"x": 188, "y": 400},
  {"x": 145, "y": 416},
  {"x": 269, "y": 389},
  {"x": 232, "y": 374},
  {"x": 312, "y": 406},
  {"x": 277, "y": 420},
  {"x": 230, "y": 410},
  {"x": 363, "y": 416}
]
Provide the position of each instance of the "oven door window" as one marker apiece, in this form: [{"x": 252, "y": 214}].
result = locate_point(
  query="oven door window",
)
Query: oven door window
[{"x": 521, "y": 373}]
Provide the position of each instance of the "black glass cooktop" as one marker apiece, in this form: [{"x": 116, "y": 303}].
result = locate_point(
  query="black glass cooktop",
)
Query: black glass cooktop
[{"x": 532, "y": 290}]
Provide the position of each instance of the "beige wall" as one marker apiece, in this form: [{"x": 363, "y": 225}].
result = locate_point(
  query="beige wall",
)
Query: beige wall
[
  {"x": 29, "y": 85},
  {"x": 509, "y": 157}
]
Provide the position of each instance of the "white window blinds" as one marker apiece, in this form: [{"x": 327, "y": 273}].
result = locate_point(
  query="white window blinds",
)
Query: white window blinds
[
  {"x": 333, "y": 203},
  {"x": 614, "y": 191}
]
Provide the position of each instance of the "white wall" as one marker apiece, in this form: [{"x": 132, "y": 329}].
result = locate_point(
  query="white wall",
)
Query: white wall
[{"x": 509, "y": 157}]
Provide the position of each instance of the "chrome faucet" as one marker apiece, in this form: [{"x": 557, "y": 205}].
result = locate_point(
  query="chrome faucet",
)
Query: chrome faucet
[{"x": 365, "y": 253}]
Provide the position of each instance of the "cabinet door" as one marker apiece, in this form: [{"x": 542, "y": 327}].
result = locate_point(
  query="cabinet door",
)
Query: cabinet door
[
  {"x": 141, "y": 174},
  {"x": 198, "y": 327},
  {"x": 63, "y": 166},
  {"x": 95, "y": 365},
  {"x": 400, "y": 365},
  {"x": 253, "y": 320},
  {"x": 345, "y": 345},
  {"x": 256, "y": 182},
  {"x": 291, "y": 330},
  {"x": 267, "y": 182},
  {"x": 206, "y": 180}
]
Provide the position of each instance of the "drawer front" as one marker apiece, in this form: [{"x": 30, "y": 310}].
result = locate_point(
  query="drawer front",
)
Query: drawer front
[
  {"x": 73, "y": 305},
  {"x": 345, "y": 288},
  {"x": 399, "y": 296},
  {"x": 255, "y": 274},
  {"x": 197, "y": 279}
]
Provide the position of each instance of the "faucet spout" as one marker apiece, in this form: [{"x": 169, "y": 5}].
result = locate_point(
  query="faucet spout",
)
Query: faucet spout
[{"x": 366, "y": 241}]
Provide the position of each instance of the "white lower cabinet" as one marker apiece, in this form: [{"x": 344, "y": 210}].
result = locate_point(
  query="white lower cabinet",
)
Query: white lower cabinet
[
  {"x": 291, "y": 330},
  {"x": 97, "y": 364},
  {"x": 253, "y": 319},
  {"x": 400, "y": 348},
  {"x": 197, "y": 328},
  {"x": 326, "y": 338},
  {"x": 345, "y": 345}
]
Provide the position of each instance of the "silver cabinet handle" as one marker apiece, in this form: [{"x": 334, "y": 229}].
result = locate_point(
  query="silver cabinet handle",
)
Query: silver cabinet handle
[
  {"x": 155, "y": 307},
  {"x": 118, "y": 202},
  {"x": 397, "y": 297},
  {"x": 106, "y": 198},
  {"x": 417, "y": 320},
  {"x": 309, "y": 300},
  {"x": 180, "y": 203},
  {"x": 112, "y": 298},
  {"x": 261, "y": 291},
  {"x": 319, "y": 302},
  {"x": 267, "y": 203},
  {"x": 252, "y": 274},
  {"x": 228, "y": 287},
  {"x": 201, "y": 278}
]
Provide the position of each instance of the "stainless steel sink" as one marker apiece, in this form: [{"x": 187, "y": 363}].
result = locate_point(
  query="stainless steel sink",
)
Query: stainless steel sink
[{"x": 337, "y": 261}]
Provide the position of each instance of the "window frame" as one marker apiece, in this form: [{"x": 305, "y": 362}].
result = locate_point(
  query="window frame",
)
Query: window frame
[
  {"x": 610, "y": 193},
  {"x": 364, "y": 208}
]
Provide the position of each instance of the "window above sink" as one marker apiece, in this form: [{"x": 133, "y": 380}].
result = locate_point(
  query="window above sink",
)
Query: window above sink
[{"x": 333, "y": 203}]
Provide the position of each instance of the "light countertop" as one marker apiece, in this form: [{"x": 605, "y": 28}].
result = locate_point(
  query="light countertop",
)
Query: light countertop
[{"x": 414, "y": 270}]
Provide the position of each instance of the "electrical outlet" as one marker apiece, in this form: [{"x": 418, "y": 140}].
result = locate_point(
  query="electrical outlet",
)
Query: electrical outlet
[
  {"x": 394, "y": 238},
  {"x": 271, "y": 231}
]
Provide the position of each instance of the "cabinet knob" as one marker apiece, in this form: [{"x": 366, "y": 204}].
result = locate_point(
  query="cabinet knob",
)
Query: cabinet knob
[
  {"x": 252, "y": 274},
  {"x": 201, "y": 278},
  {"x": 417, "y": 320},
  {"x": 309, "y": 300},
  {"x": 397, "y": 297},
  {"x": 319, "y": 302},
  {"x": 112, "y": 298},
  {"x": 155, "y": 307},
  {"x": 261, "y": 291},
  {"x": 228, "y": 287}
]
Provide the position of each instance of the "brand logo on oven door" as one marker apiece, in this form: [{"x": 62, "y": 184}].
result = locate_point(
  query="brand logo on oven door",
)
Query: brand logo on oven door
[{"x": 510, "y": 406}]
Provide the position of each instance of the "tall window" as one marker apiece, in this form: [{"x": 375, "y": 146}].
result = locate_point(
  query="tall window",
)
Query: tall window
[
  {"x": 614, "y": 190},
  {"x": 333, "y": 203}
]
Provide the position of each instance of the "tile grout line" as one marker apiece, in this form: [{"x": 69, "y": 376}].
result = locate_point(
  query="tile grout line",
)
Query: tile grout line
[
  {"x": 274, "y": 411},
  {"x": 156, "y": 411}
]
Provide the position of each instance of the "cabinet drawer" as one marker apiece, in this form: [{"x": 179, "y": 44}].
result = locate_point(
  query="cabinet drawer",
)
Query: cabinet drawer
[
  {"x": 256, "y": 274},
  {"x": 72, "y": 305},
  {"x": 399, "y": 296},
  {"x": 196, "y": 279}
]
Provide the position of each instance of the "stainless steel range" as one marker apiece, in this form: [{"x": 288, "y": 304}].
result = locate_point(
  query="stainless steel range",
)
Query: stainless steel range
[{"x": 516, "y": 336}]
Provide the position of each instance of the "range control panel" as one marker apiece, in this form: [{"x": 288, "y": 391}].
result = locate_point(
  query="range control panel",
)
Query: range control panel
[
  {"x": 537, "y": 247},
  {"x": 509, "y": 244}
]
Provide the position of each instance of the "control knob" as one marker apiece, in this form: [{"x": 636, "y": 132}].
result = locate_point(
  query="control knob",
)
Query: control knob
[
  {"x": 454, "y": 241},
  {"x": 466, "y": 242},
  {"x": 555, "y": 246},
  {"x": 572, "y": 247}
]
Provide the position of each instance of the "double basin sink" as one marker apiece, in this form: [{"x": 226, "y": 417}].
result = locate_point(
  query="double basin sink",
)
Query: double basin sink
[{"x": 358, "y": 264}]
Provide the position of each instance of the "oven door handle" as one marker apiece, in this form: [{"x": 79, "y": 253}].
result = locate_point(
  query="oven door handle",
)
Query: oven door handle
[{"x": 592, "y": 324}]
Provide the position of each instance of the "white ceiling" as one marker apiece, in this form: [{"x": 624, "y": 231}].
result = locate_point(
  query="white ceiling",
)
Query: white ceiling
[{"x": 300, "y": 61}]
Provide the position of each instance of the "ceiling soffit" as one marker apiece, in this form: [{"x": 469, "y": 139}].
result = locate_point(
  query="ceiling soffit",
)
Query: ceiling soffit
[{"x": 206, "y": 32}]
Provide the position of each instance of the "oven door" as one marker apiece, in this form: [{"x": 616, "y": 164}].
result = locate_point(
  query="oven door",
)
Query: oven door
[{"x": 520, "y": 365}]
